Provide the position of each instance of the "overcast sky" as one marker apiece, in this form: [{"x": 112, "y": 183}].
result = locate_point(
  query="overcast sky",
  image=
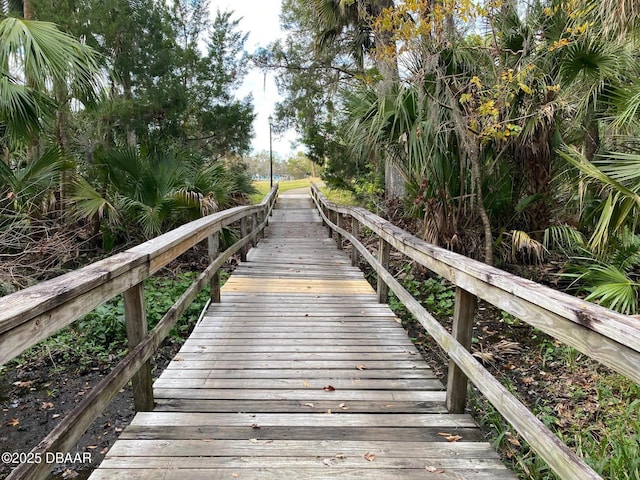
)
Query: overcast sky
[{"x": 260, "y": 19}]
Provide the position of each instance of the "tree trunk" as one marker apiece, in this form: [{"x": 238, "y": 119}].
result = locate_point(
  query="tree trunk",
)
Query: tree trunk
[
  {"x": 394, "y": 184},
  {"x": 27, "y": 10}
]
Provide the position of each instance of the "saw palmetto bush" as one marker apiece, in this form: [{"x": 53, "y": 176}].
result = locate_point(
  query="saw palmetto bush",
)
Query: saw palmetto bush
[{"x": 143, "y": 192}]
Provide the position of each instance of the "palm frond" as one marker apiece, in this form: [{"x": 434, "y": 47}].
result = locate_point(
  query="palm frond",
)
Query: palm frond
[
  {"x": 44, "y": 53},
  {"x": 612, "y": 288}
]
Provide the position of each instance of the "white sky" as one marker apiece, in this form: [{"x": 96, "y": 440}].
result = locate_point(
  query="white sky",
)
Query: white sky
[{"x": 260, "y": 19}]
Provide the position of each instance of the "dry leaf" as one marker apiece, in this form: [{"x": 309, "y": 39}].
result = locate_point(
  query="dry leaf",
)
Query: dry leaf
[
  {"x": 92, "y": 447},
  {"x": 309, "y": 405},
  {"x": 14, "y": 422},
  {"x": 253, "y": 440},
  {"x": 434, "y": 469},
  {"x": 46, "y": 406},
  {"x": 513, "y": 441},
  {"x": 68, "y": 473},
  {"x": 329, "y": 462},
  {"x": 255, "y": 426},
  {"x": 369, "y": 457},
  {"x": 178, "y": 359},
  {"x": 235, "y": 475},
  {"x": 104, "y": 451},
  {"x": 454, "y": 438},
  {"x": 23, "y": 384},
  {"x": 445, "y": 434},
  {"x": 329, "y": 388},
  {"x": 305, "y": 384},
  {"x": 341, "y": 455},
  {"x": 329, "y": 411},
  {"x": 361, "y": 367}
]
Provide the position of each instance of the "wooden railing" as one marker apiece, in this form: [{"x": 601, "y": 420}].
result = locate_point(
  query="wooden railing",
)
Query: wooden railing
[
  {"x": 33, "y": 314},
  {"x": 602, "y": 334}
]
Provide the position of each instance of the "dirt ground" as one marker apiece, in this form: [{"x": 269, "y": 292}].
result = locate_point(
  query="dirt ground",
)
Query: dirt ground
[{"x": 34, "y": 398}]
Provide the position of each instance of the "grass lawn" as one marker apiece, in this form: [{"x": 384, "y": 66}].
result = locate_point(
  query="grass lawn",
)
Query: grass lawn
[{"x": 337, "y": 196}]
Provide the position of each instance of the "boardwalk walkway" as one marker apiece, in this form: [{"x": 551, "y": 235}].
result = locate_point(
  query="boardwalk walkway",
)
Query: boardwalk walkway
[{"x": 299, "y": 374}]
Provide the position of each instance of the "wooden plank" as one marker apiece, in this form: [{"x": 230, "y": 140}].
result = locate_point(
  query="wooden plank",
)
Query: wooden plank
[
  {"x": 297, "y": 432},
  {"x": 245, "y": 463},
  {"x": 279, "y": 473},
  {"x": 257, "y": 346},
  {"x": 307, "y": 383},
  {"x": 329, "y": 374},
  {"x": 302, "y": 395},
  {"x": 299, "y": 448},
  {"x": 311, "y": 420},
  {"x": 295, "y": 364},
  {"x": 295, "y": 406}
]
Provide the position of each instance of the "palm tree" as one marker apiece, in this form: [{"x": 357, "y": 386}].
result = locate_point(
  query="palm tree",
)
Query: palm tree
[
  {"x": 41, "y": 56},
  {"x": 337, "y": 17}
]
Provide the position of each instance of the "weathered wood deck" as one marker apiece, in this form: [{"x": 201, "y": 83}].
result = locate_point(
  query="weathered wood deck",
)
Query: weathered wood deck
[{"x": 299, "y": 373}]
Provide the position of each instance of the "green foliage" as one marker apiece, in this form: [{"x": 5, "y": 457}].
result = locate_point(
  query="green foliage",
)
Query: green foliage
[
  {"x": 156, "y": 190},
  {"x": 105, "y": 326},
  {"x": 434, "y": 294}
]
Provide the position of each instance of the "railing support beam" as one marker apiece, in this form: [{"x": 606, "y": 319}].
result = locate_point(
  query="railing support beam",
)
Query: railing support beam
[
  {"x": 384, "y": 253},
  {"x": 136, "y": 322},
  {"x": 214, "y": 283},
  {"x": 463, "y": 313},
  {"x": 354, "y": 249},
  {"x": 340, "y": 224},
  {"x": 243, "y": 233}
]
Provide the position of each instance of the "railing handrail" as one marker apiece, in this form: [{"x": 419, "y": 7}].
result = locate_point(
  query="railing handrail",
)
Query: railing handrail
[
  {"x": 602, "y": 334},
  {"x": 43, "y": 309}
]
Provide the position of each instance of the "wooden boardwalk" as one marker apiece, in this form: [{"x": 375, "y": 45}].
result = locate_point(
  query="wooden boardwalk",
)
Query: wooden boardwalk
[{"x": 299, "y": 373}]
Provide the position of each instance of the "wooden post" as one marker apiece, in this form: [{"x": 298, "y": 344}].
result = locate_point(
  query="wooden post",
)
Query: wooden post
[
  {"x": 384, "y": 251},
  {"x": 254, "y": 233},
  {"x": 340, "y": 223},
  {"x": 463, "y": 314},
  {"x": 354, "y": 250},
  {"x": 243, "y": 233},
  {"x": 214, "y": 251},
  {"x": 136, "y": 322}
]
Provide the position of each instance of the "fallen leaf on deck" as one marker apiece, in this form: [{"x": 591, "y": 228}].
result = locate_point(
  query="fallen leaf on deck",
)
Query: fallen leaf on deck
[
  {"x": 309, "y": 405},
  {"x": 305, "y": 384},
  {"x": 253, "y": 440},
  {"x": 329, "y": 462},
  {"x": 329, "y": 388},
  {"x": 341, "y": 455},
  {"x": 369, "y": 457},
  {"x": 255, "y": 426},
  {"x": 178, "y": 359},
  {"x": 235, "y": 475},
  {"x": 434, "y": 469},
  {"x": 454, "y": 438},
  {"x": 361, "y": 367}
]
